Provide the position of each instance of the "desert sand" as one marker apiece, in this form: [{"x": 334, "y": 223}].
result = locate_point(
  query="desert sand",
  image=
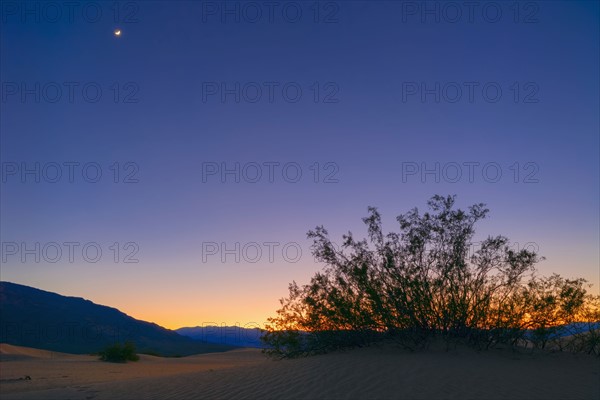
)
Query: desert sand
[{"x": 378, "y": 372}]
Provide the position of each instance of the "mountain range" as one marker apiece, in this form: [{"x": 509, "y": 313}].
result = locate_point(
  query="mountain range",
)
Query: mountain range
[
  {"x": 36, "y": 318},
  {"x": 229, "y": 335}
]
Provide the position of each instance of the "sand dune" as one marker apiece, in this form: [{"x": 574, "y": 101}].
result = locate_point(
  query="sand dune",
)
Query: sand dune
[
  {"x": 10, "y": 352},
  {"x": 380, "y": 372}
]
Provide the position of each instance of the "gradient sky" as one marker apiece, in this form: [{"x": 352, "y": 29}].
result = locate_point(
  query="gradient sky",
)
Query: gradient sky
[{"x": 370, "y": 52}]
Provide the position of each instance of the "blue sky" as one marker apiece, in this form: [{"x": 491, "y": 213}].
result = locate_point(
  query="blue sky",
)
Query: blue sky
[{"x": 366, "y": 123}]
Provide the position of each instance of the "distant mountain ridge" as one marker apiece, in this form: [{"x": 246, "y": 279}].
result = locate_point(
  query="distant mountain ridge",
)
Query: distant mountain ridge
[
  {"x": 36, "y": 318},
  {"x": 574, "y": 328},
  {"x": 230, "y": 335}
]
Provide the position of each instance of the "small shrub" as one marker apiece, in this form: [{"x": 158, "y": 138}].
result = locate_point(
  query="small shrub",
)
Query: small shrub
[{"x": 119, "y": 353}]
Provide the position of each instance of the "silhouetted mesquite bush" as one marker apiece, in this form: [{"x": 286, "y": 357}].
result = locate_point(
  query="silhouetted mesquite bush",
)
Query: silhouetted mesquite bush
[
  {"x": 119, "y": 353},
  {"x": 423, "y": 282}
]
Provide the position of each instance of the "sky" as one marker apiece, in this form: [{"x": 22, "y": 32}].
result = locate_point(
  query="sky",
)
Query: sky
[{"x": 172, "y": 171}]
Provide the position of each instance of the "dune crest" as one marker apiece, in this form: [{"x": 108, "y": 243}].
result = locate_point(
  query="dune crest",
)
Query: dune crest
[{"x": 375, "y": 372}]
